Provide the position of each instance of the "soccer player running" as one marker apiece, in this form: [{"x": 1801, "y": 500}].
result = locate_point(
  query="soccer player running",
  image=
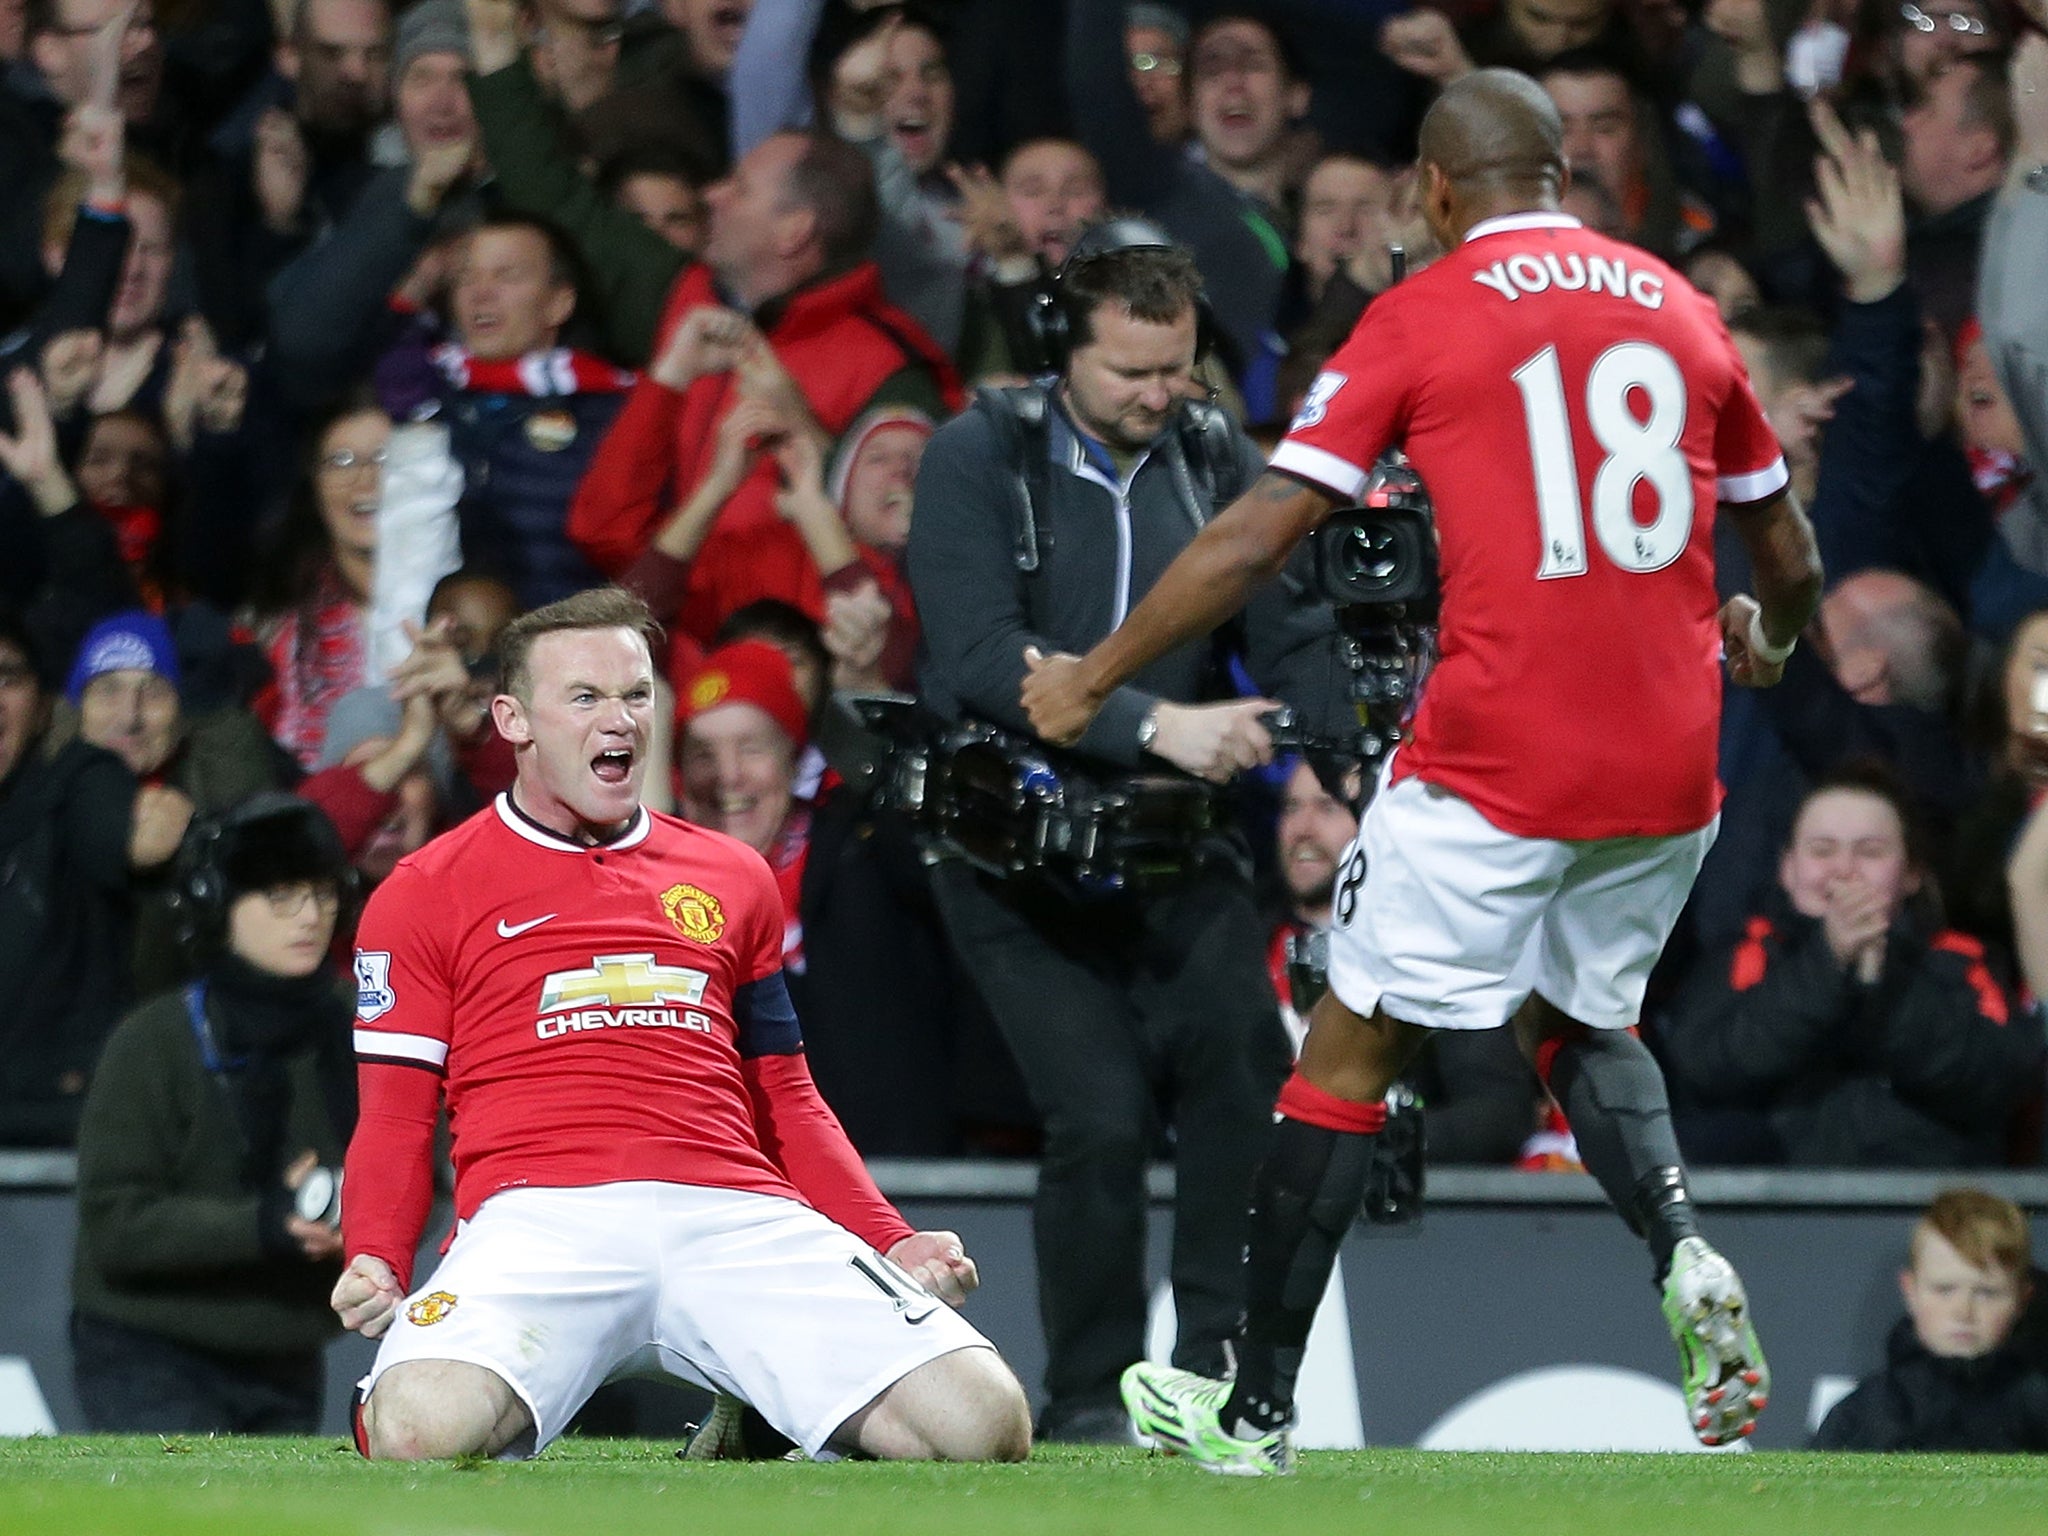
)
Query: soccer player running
[
  {"x": 1576, "y": 410},
  {"x": 646, "y": 1181}
]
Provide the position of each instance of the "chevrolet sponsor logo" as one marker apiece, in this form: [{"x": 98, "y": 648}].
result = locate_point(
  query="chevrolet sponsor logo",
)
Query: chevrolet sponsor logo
[{"x": 622, "y": 992}]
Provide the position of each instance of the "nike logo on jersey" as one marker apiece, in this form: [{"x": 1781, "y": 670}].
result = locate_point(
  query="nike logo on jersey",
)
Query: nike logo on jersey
[{"x": 513, "y": 930}]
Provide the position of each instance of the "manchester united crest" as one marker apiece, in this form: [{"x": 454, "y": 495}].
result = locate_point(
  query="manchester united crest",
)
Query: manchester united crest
[
  {"x": 430, "y": 1309},
  {"x": 706, "y": 691},
  {"x": 695, "y": 912}
]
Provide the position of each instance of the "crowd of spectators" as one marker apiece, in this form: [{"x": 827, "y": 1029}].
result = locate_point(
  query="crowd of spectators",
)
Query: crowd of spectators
[{"x": 335, "y": 333}]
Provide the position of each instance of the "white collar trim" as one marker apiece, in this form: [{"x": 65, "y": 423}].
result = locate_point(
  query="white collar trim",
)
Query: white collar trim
[
  {"x": 1509, "y": 223},
  {"x": 633, "y": 836}
]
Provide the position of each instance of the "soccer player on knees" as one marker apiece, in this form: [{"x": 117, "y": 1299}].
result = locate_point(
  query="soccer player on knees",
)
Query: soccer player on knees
[
  {"x": 646, "y": 1181},
  {"x": 1577, "y": 411}
]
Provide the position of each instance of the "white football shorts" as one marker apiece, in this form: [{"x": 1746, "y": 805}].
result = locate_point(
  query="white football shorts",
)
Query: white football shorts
[
  {"x": 1455, "y": 922},
  {"x": 561, "y": 1290}
]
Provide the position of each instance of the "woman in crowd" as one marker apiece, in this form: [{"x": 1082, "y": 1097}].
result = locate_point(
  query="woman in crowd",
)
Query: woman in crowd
[
  {"x": 315, "y": 588},
  {"x": 208, "y": 1211}
]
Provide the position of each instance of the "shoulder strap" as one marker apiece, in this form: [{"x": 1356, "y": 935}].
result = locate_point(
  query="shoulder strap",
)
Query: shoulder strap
[
  {"x": 1210, "y": 441},
  {"x": 1019, "y": 414}
]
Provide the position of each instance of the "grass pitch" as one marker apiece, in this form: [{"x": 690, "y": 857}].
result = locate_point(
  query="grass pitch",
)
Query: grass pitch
[{"x": 108, "y": 1486}]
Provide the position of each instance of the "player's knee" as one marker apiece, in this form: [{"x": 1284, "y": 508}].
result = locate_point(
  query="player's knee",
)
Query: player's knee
[
  {"x": 992, "y": 1417},
  {"x": 412, "y": 1416}
]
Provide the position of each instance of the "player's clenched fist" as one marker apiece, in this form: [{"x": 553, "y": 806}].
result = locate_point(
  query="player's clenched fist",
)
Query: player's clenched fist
[
  {"x": 367, "y": 1295},
  {"x": 938, "y": 1263},
  {"x": 1059, "y": 706}
]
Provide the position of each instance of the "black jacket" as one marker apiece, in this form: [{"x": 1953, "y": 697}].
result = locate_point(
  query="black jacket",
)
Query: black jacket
[
  {"x": 1926, "y": 1068},
  {"x": 1100, "y": 553},
  {"x": 64, "y": 914},
  {"x": 175, "y": 1236},
  {"x": 1922, "y": 1402}
]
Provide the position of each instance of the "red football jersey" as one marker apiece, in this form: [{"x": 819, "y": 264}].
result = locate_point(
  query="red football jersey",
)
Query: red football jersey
[
  {"x": 1576, "y": 409},
  {"x": 597, "y": 1013}
]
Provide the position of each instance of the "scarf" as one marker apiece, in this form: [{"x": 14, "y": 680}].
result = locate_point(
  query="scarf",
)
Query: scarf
[
  {"x": 320, "y": 653},
  {"x": 263, "y": 1020},
  {"x": 556, "y": 371},
  {"x": 2000, "y": 477}
]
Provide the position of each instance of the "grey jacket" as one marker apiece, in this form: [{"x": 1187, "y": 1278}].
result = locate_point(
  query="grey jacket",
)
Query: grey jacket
[
  {"x": 1103, "y": 544},
  {"x": 2012, "y": 305}
]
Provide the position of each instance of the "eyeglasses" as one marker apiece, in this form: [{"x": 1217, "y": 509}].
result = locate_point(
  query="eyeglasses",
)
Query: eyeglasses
[
  {"x": 1956, "y": 21},
  {"x": 348, "y": 458},
  {"x": 1162, "y": 64},
  {"x": 290, "y": 900}
]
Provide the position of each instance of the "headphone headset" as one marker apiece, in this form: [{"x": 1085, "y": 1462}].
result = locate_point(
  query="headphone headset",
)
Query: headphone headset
[
  {"x": 1050, "y": 320},
  {"x": 200, "y": 894}
]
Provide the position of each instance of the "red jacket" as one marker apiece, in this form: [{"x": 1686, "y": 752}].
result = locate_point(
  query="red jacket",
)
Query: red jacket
[{"x": 840, "y": 339}]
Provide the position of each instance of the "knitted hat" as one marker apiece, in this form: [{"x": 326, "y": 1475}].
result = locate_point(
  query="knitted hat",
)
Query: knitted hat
[
  {"x": 432, "y": 26},
  {"x": 1163, "y": 18},
  {"x": 855, "y": 437},
  {"x": 745, "y": 672},
  {"x": 127, "y": 642}
]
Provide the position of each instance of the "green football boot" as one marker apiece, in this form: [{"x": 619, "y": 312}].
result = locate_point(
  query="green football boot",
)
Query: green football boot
[
  {"x": 1720, "y": 1362},
  {"x": 1178, "y": 1411}
]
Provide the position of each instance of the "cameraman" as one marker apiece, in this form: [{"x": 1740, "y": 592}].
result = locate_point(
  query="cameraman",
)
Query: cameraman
[
  {"x": 1124, "y": 1009},
  {"x": 207, "y": 1207}
]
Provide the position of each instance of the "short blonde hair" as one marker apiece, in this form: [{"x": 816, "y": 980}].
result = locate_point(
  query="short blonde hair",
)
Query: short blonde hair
[{"x": 1987, "y": 1231}]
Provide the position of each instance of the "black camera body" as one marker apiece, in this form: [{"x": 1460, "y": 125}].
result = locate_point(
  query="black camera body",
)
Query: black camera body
[
  {"x": 1376, "y": 565},
  {"x": 1376, "y": 562}
]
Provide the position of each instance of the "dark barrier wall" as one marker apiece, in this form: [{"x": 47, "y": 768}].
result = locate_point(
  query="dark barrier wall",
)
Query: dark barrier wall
[{"x": 1507, "y": 1274}]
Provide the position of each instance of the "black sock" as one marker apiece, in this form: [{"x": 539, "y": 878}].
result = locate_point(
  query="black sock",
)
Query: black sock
[
  {"x": 1308, "y": 1194},
  {"x": 764, "y": 1442},
  {"x": 1611, "y": 1090}
]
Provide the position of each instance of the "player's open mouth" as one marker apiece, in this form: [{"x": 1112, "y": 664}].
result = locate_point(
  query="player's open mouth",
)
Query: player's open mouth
[{"x": 612, "y": 767}]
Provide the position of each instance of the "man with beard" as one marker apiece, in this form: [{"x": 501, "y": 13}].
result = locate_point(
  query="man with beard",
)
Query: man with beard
[
  {"x": 301, "y": 166},
  {"x": 1104, "y": 1002}
]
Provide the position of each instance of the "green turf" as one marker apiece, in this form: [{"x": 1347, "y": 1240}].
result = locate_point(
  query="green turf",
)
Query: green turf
[{"x": 143, "y": 1487}]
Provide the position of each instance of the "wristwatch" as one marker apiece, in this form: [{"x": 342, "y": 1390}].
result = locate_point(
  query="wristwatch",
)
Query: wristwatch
[{"x": 1148, "y": 729}]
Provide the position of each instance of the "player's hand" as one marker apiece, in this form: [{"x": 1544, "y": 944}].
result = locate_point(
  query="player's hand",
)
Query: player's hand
[
  {"x": 1214, "y": 741},
  {"x": 937, "y": 1262},
  {"x": 1746, "y": 669},
  {"x": 1424, "y": 43},
  {"x": 1059, "y": 704},
  {"x": 366, "y": 1297}
]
